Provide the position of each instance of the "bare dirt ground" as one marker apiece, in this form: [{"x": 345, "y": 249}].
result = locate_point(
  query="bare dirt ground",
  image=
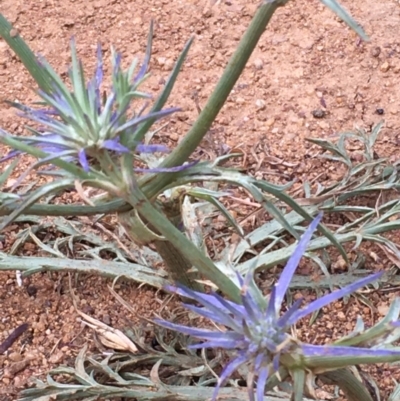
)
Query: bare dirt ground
[{"x": 307, "y": 61}]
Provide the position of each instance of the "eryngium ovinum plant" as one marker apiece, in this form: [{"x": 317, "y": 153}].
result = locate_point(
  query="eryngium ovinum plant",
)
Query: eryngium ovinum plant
[
  {"x": 257, "y": 334},
  {"x": 97, "y": 139}
]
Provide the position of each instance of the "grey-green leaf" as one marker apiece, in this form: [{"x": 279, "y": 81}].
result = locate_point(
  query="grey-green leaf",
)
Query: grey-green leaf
[{"x": 346, "y": 17}]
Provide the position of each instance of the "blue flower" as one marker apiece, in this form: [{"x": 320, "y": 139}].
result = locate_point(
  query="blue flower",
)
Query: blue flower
[
  {"x": 260, "y": 335},
  {"x": 80, "y": 124}
]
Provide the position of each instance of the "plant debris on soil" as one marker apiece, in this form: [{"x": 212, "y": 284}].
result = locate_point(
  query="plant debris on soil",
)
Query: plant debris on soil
[{"x": 310, "y": 77}]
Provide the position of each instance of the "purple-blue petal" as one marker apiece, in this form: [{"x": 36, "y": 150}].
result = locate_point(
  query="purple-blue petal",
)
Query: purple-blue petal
[
  {"x": 45, "y": 121},
  {"x": 333, "y": 296},
  {"x": 98, "y": 78},
  {"x": 229, "y": 369},
  {"x": 215, "y": 309},
  {"x": 117, "y": 63},
  {"x": 258, "y": 362},
  {"x": 108, "y": 109},
  {"x": 199, "y": 297},
  {"x": 199, "y": 333},
  {"x": 49, "y": 143},
  {"x": 275, "y": 362},
  {"x": 173, "y": 326},
  {"x": 99, "y": 68},
  {"x": 48, "y": 140},
  {"x": 287, "y": 274},
  {"x": 283, "y": 321},
  {"x": 262, "y": 380},
  {"x": 50, "y": 137},
  {"x": 119, "y": 117},
  {"x": 43, "y": 116},
  {"x": 252, "y": 310},
  {"x": 221, "y": 317},
  {"x": 141, "y": 148},
  {"x": 239, "y": 279},
  {"x": 209, "y": 335},
  {"x": 57, "y": 101},
  {"x": 114, "y": 145},
  {"x": 227, "y": 306},
  {"x": 155, "y": 115},
  {"x": 10, "y": 155},
  {"x": 142, "y": 71},
  {"x": 52, "y": 149},
  {"x": 310, "y": 350},
  {"x": 271, "y": 313},
  {"x": 221, "y": 343},
  {"x": 83, "y": 160}
]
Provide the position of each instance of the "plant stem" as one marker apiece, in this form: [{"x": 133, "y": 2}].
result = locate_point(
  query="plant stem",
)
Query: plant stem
[
  {"x": 137, "y": 199},
  {"x": 144, "y": 233},
  {"x": 179, "y": 241},
  {"x": 353, "y": 389},
  {"x": 219, "y": 96},
  {"x": 176, "y": 265},
  {"x": 153, "y": 184},
  {"x": 114, "y": 206}
]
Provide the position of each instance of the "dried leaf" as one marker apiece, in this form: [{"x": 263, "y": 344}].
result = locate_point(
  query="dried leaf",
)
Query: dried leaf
[{"x": 110, "y": 337}]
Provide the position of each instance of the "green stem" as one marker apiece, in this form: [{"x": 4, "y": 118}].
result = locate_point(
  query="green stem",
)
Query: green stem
[
  {"x": 179, "y": 241},
  {"x": 177, "y": 266},
  {"x": 152, "y": 184},
  {"x": 114, "y": 206},
  {"x": 353, "y": 389},
  {"x": 143, "y": 233},
  {"x": 219, "y": 96}
]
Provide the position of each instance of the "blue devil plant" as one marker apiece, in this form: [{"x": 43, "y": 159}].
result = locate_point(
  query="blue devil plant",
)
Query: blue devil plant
[
  {"x": 87, "y": 122},
  {"x": 258, "y": 331},
  {"x": 95, "y": 139},
  {"x": 98, "y": 132}
]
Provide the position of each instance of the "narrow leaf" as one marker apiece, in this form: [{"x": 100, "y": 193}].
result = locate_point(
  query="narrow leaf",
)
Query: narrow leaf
[
  {"x": 34, "y": 197},
  {"x": 211, "y": 196},
  {"x": 346, "y": 17},
  {"x": 162, "y": 99},
  {"x": 6, "y": 174}
]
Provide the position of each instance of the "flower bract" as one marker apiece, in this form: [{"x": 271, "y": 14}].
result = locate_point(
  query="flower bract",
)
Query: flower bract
[{"x": 259, "y": 335}]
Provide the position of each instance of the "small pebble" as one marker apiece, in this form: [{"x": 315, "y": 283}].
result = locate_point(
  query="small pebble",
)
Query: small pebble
[
  {"x": 161, "y": 61},
  {"x": 258, "y": 63},
  {"x": 31, "y": 290},
  {"x": 318, "y": 113},
  {"x": 15, "y": 357},
  {"x": 173, "y": 136},
  {"x": 260, "y": 104},
  {"x": 106, "y": 319},
  {"x": 376, "y": 51},
  {"x": 385, "y": 67},
  {"x": 270, "y": 122},
  {"x": 88, "y": 309},
  {"x": 57, "y": 357}
]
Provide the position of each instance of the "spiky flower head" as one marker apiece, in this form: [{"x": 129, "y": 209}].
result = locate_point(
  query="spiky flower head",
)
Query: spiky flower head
[
  {"x": 259, "y": 332},
  {"x": 83, "y": 123}
]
